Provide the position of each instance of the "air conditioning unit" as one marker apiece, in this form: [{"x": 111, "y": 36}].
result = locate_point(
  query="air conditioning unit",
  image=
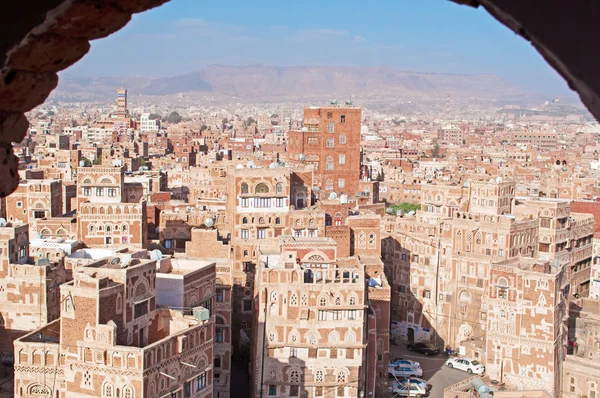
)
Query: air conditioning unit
[{"x": 201, "y": 313}]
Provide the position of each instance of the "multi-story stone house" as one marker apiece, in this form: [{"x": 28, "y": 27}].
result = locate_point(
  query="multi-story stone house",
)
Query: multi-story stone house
[
  {"x": 526, "y": 336},
  {"x": 105, "y": 217},
  {"x": 581, "y": 371},
  {"x": 112, "y": 339},
  {"x": 440, "y": 264},
  {"x": 33, "y": 200},
  {"x": 29, "y": 288},
  {"x": 310, "y": 318}
]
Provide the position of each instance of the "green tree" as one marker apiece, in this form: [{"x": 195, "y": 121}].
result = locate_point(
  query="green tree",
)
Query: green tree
[
  {"x": 274, "y": 116},
  {"x": 225, "y": 120},
  {"x": 249, "y": 121},
  {"x": 50, "y": 113},
  {"x": 155, "y": 116},
  {"x": 203, "y": 127},
  {"x": 86, "y": 162},
  {"x": 174, "y": 117},
  {"x": 406, "y": 207}
]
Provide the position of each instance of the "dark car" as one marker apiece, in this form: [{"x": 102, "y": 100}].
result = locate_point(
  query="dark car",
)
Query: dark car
[{"x": 425, "y": 349}]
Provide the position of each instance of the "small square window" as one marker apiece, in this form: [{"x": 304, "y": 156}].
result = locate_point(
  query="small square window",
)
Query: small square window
[{"x": 343, "y": 119}]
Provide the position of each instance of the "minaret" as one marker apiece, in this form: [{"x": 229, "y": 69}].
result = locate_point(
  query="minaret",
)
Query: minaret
[{"x": 122, "y": 102}]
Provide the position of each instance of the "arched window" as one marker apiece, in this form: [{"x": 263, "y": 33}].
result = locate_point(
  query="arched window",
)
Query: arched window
[
  {"x": 319, "y": 376},
  {"x": 277, "y": 221},
  {"x": 502, "y": 288},
  {"x": 87, "y": 181},
  {"x": 465, "y": 297},
  {"x": 334, "y": 337},
  {"x": 372, "y": 244},
  {"x": 261, "y": 220},
  {"x": 341, "y": 376},
  {"x": 245, "y": 253},
  {"x": 107, "y": 390},
  {"x": 245, "y": 220},
  {"x": 244, "y": 188},
  {"x": 329, "y": 163},
  {"x": 127, "y": 392},
  {"x": 350, "y": 337},
  {"x": 329, "y": 185},
  {"x": 294, "y": 376},
  {"x": 261, "y": 188},
  {"x": 279, "y": 187}
]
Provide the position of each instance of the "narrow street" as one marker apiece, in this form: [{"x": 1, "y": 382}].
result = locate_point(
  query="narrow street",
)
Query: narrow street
[{"x": 434, "y": 369}]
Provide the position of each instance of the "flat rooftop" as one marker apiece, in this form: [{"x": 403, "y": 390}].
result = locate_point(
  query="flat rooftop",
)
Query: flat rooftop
[{"x": 183, "y": 266}]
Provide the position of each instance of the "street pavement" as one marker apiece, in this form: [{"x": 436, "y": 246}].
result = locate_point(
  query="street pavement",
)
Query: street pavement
[{"x": 434, "y": 369}]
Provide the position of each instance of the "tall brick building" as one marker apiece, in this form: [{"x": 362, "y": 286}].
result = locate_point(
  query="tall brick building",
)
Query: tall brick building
[{"x": 330, "y": 141}]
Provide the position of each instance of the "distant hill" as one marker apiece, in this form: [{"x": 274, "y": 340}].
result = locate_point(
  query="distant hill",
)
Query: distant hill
[{"x": 278, "y": 83}]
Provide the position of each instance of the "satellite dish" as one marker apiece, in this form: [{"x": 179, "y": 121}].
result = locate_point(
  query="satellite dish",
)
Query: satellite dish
[
  {"x": 126, "y": 260},
  {"x": 60, "y": 240},
  {"x": 39, "y": 236},
  {"x": 411, "y": 213},
  {"x": 251, "y": 165},
  {"x": 316, "y": 189},
  {"x": 499, "y": 180},
  {"x": 156, "y": 255},
  {"x": 302, "y": 157},
  {"x": 3, "y": 222},
  {"x": 115, "y": 261},
  {"x": 209, "y": 222},
  {"x": 304, "y": 129},
  {"x": 333, "y": 196},
  {"x": 239, "y": 166},
  {"x": 273, "y": 165}
]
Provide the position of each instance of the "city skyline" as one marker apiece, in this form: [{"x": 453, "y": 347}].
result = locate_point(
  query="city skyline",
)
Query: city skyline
[{"x": 182, "y": 37}]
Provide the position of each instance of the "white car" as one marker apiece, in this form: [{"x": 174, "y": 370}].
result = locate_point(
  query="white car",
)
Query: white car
[
  {"x": 409, "y": 390},
  {"x": 404, "y": 371},
  {"x": 466, "y": 364},
  {"x": 402, "y": 361}
]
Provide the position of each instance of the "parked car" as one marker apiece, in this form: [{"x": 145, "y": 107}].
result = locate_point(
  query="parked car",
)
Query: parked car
[
  {"x": 466, "y": 364},
  {"x": 409, "y": 390},
  {"x": 425, "y": 349},
  {"x": 404, "y": 371},
  {"x": 402, "y": 361},
  {"x": 416, "y": 380}
]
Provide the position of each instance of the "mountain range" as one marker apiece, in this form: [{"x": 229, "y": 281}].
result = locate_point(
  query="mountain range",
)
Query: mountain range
[{"x": 264, "y": 82}]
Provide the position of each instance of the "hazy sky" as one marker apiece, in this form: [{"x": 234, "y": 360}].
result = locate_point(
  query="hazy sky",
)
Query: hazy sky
[{"x": 421, "y": 35}]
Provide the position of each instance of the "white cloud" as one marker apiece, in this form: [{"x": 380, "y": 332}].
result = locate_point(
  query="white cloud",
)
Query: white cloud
[
  {"x": 318, "y": 34},
  {"x": 204, "y": 25},
  {"x": 359, "y": 39}
]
